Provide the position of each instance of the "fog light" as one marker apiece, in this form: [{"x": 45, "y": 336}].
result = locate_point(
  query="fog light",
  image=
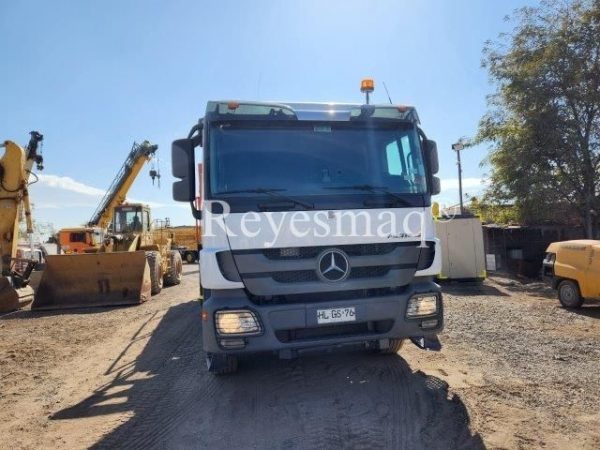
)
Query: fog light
[
  {"x": 232, "y": 322},
  {"x": 431, "y": 323},
  {"x": 232, "y": 343},
  {"x": 422, "y": 305}
]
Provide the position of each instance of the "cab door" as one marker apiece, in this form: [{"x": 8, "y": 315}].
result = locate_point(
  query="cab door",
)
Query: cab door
[{"x": 592, "y": 276}]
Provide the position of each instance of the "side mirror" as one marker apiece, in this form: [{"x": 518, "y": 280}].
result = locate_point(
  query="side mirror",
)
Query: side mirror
[
  {"x": 183, "y": 167},
  {"x": 436, "y": 186},
  {"x": 432, "y": 156}
]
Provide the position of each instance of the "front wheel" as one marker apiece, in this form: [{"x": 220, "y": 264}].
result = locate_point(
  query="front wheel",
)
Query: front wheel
[
  {"x": 173, "y": 275},
  {"x": 395, "y": 346},
  {"x": 156, "y": 276},
  {"x": 190, "y": 258},
  {"x": 569, "y": 295}
]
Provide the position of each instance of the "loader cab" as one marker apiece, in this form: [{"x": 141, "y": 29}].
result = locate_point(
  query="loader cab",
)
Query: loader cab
[{"x": 131, "y": 219}]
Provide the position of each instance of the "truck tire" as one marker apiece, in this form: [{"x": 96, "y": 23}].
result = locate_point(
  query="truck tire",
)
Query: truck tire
[
  {"x": 173, "y": 275},
  {"x": 221, "y": 364},
  {"x": 156, "y": 279},
  {"x": 569, "y": 294},
  {"x": 395, "y": 346},
  {"x": 190, "y": 258}
]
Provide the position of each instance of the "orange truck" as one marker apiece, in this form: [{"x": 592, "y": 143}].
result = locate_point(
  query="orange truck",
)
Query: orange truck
[
  {"x": 78, "y": 240},
  {"x": 573, "y": 269}
]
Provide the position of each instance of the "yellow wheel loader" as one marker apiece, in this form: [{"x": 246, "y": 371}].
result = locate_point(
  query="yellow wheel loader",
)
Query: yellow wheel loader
[
  {"x": 131, "y": 264},
  {"x": 85, "y": 239},
  {"x": 16, "y": 165}
]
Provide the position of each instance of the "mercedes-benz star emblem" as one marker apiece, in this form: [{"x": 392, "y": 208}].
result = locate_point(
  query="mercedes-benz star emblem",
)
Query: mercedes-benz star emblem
[{"x": 333, "y": 265}]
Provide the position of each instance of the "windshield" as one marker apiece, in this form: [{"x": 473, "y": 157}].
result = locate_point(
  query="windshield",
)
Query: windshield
[
  {"x": 128, "y": 220},
  {"x": 310, "y": 158}
]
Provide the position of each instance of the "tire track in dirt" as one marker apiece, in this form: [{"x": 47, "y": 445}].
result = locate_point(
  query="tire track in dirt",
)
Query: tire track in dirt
[{"x": 350, "y": 400}]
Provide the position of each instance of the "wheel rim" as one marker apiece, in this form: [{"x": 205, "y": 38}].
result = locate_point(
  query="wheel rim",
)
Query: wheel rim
[
  {"x": 568, "y": 293},
  {"x": 189, "y": 258}
]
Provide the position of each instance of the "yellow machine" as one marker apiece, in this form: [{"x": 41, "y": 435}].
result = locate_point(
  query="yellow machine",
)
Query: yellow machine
[
  {"x": 85, "y": 239},
  {"x": 126, "y": 265},
  {"x": 185, "y": 239},
  {"x": 573, "y": 269},
  {"x": 130, "y": 265},
  {"x": 15, "y": 167}
]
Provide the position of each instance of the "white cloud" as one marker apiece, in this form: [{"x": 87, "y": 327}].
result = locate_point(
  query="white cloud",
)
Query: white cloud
[{"x": 69, "y": 184}]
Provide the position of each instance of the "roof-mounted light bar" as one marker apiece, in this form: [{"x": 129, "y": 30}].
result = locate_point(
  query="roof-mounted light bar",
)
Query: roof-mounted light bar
[
  {"x": 249, "y": 110},
  {"x": 397, "y": 112}
]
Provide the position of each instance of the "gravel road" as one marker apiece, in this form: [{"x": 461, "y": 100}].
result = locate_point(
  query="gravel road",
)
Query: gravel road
[{"x": 516, "y": 371}]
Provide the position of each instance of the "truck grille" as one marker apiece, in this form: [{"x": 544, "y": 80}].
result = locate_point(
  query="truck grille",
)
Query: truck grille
[
  {"x": 287, "y": 253},
  {"x": 311, "y": 275},
  {"x": 318, "y": 297},
  {"x": 293, "y": 270}
]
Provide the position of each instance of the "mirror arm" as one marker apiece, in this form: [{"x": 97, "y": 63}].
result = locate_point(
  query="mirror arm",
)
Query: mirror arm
[
  {"x": 195, "y": 211},
  {"x": 197, "y": 140}
]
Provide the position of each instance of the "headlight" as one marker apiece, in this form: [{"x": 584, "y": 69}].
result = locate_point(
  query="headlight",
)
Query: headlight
[
  {"x": 232, "y": 322},
  {"x": 422, "y": 305}
]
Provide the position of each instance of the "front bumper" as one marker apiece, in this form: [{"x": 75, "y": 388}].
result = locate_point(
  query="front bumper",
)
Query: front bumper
[{"x": 294, "y": 326}]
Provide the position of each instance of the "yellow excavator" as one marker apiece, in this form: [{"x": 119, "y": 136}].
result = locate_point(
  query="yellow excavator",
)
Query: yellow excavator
[
  {"x": 126, "y": 265},
  {"x": 16, "y": 166}
]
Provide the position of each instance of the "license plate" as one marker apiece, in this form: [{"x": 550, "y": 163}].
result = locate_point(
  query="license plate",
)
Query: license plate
[{"x": 335, "y": 315}]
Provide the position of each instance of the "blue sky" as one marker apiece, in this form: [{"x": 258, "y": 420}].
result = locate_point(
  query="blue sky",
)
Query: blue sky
[{"x": 95, "y": 76}]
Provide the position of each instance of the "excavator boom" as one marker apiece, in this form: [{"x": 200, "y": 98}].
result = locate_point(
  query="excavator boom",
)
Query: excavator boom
[{"x": 15, "y": 166}]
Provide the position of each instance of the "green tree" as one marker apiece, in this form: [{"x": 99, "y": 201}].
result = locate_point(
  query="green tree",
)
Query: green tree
[
  {"x": 543, "y": 121},
  {"x": 491, "y": 212}
]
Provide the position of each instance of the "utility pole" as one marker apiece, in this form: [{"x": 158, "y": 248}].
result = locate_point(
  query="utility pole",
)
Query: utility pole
[{"x": 457, "y": 148}]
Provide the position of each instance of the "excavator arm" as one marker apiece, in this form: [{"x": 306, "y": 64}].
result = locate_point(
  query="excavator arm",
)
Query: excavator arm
[{"x": 15, "y": 167}]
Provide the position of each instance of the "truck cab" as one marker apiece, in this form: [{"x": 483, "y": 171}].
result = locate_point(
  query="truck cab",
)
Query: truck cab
[
  {"x": 79, "y": 239},
  {"x": 316, "y": 227}
]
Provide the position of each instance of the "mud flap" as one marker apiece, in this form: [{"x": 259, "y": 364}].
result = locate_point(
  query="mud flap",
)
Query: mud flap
[
  {"x": 93, "y": 279},
  {"x": 12, "y": 298},
  {"x": 427, "y": 343}
]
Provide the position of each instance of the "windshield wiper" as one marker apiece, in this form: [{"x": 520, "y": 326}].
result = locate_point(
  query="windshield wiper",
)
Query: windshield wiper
[
  {"x": 370, "y": 188},
  {"x": 273, "y": 192}
]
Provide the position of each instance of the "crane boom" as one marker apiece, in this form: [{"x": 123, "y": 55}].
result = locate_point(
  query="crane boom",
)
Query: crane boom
[{"x": 116, "y": 193}]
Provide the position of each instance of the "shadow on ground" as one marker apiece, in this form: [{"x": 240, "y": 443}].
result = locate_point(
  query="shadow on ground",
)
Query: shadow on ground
[
  {"x": 350, "y": 400},
  {"x": 27, "y": 314},
  {"x": 591, "y": 308},
  {"x": 471, "y": 289}
]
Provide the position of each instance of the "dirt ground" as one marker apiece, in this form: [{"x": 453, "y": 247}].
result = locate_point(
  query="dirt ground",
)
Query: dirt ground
[{"x": 516, "y": 371}]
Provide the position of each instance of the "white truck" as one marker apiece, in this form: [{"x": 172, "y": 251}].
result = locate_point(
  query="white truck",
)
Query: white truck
[{"x": 316, "y": 228}]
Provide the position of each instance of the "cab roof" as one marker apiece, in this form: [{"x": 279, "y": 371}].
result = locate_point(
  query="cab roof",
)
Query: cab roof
[
  {"x": 580, "y": 244},
  {"x": 223, "y": 109}
]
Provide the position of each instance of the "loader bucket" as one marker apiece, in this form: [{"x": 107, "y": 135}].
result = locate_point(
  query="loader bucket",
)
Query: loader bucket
[
  {"x": 95, "y": 279},
  {"x": 12, "y": 298}
]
